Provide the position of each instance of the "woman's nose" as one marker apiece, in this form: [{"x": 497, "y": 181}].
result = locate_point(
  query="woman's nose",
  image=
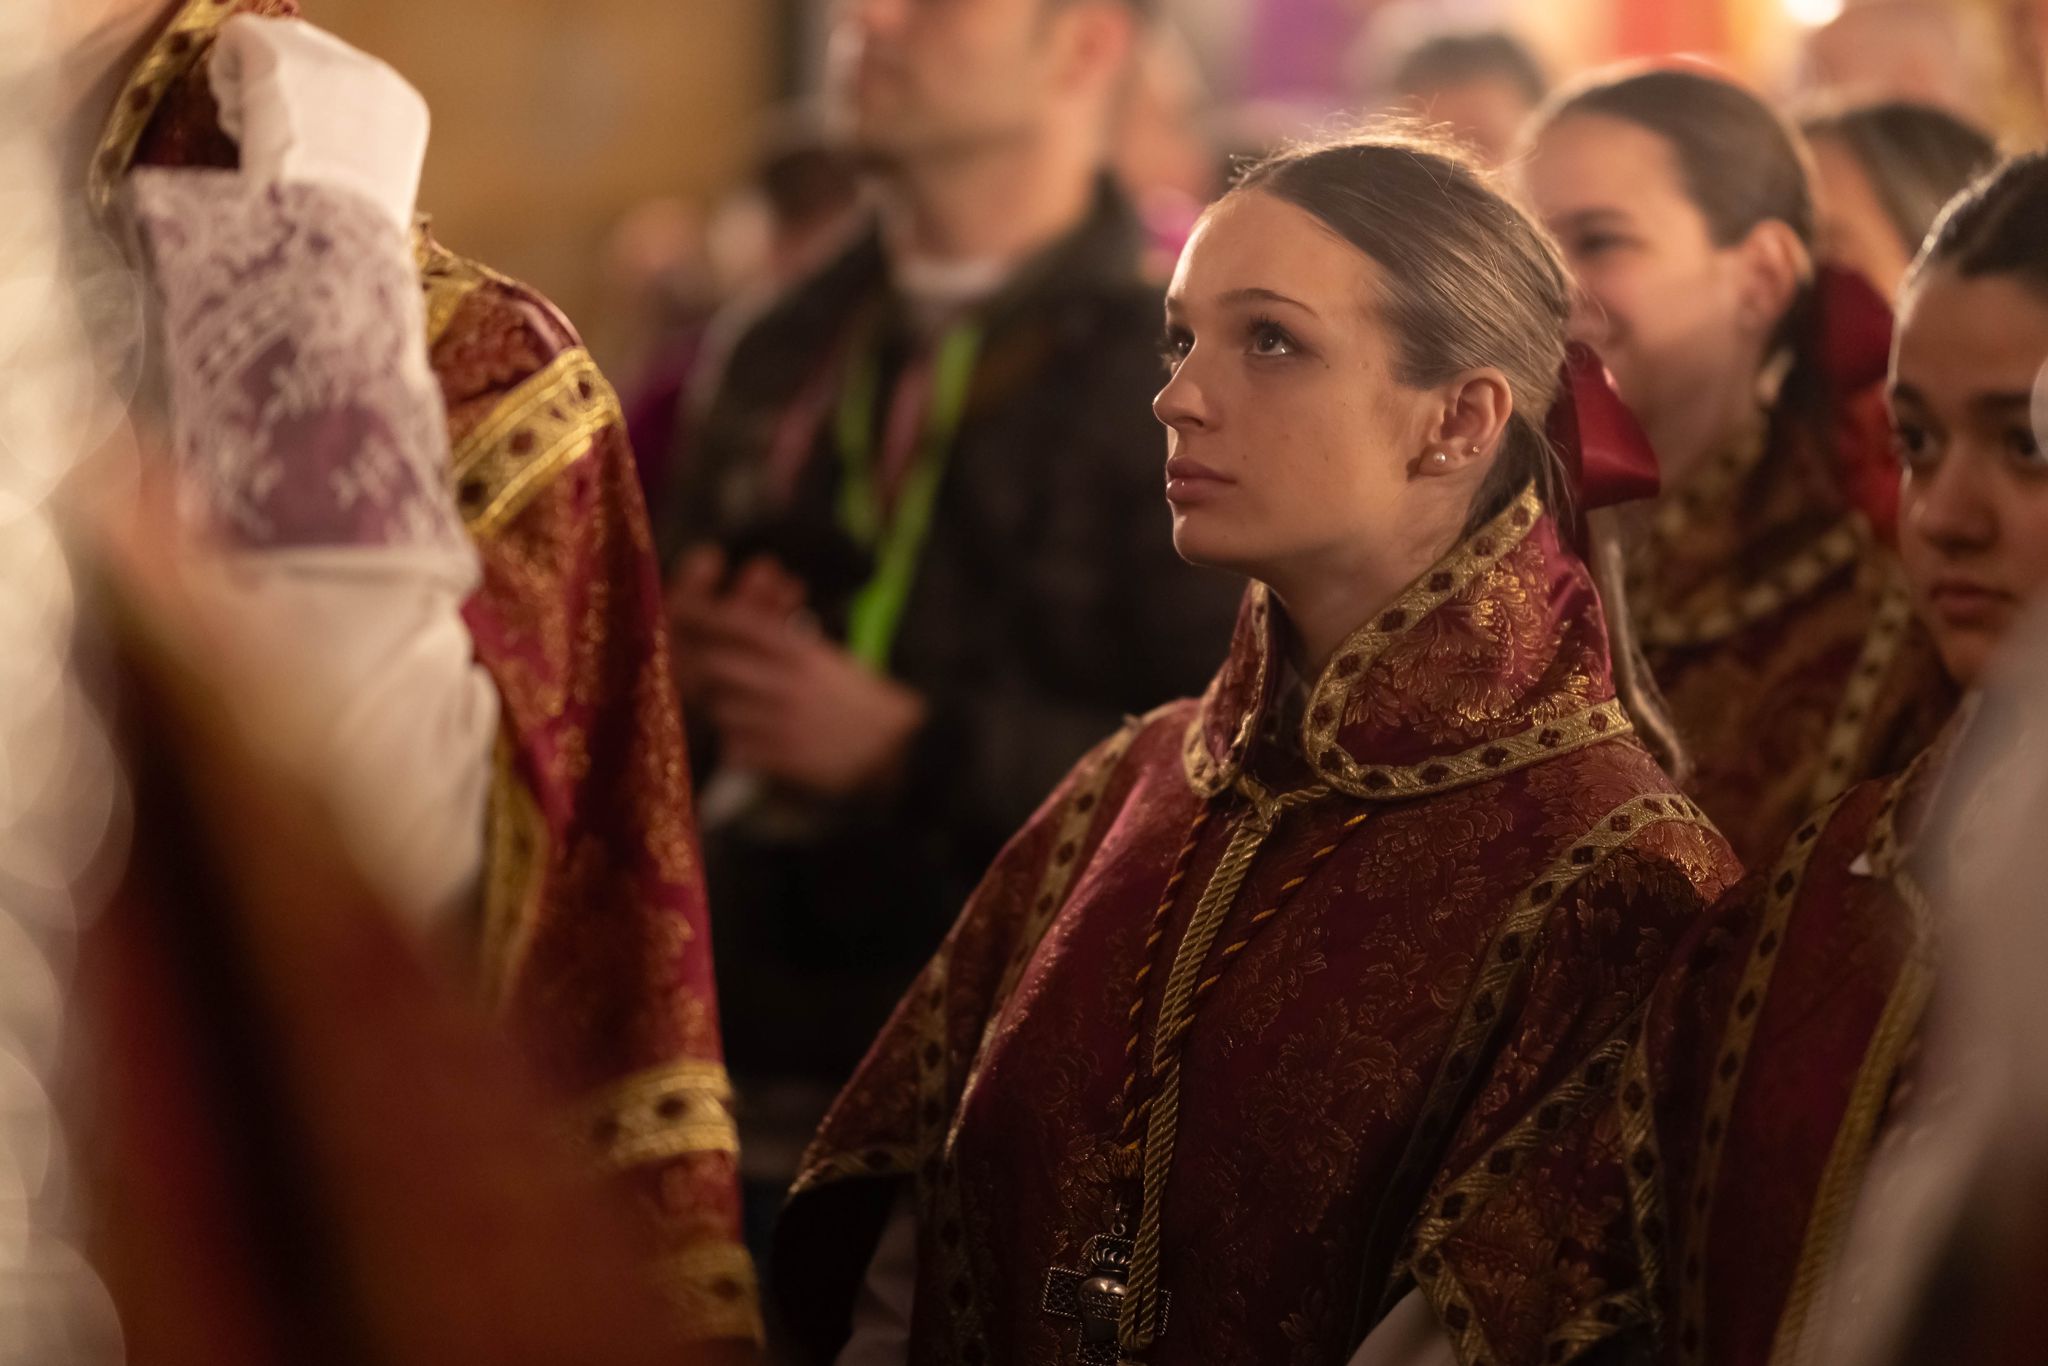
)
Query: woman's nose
[
  {"x": 1182, "y": 405},
  {"x": 1953, "y": 510}
]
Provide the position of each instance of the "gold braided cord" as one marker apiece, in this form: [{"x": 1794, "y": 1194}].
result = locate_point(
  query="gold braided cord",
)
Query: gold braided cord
[
  {"x": 1133, "y": 1047},
  {"x": 1139, "y": 1327}
]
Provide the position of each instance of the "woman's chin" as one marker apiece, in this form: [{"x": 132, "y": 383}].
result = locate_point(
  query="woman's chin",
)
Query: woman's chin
[{"x": 1203, "y": 544}]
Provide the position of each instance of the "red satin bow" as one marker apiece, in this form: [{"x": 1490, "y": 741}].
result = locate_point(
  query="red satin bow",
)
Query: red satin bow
[
  {"x": 1606, "y": 455},
  {"x": 1855, "y": 331},
  {"x": 1854, "y": 335}
]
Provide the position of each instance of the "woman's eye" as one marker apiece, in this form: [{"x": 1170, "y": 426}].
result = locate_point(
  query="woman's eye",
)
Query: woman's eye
[
  {"x": 1270, "y": 339},
  {"x": 2025, "y": 449},
  {"x": 1914, "y": 446},
  {"x": 1597, "y": 243},
  {"x": 1173, "y": 349}
]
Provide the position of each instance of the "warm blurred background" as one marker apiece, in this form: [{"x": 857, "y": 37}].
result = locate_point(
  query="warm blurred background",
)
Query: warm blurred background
[{"x": 594, "y": 147}]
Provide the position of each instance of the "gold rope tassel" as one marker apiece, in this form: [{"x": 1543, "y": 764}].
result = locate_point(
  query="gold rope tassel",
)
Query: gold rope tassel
[{"x": 1139, "y": 1326}]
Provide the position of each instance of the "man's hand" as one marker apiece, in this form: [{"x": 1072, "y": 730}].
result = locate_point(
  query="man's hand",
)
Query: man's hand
[
  {"x": 697, "y": 599},
  {"x": 797, "y": 709}
]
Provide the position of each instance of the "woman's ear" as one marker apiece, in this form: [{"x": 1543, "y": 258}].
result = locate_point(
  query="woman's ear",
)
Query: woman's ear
[
  {"x": 1775, "y": 265},
  {"x": 1472, "y": 418}
]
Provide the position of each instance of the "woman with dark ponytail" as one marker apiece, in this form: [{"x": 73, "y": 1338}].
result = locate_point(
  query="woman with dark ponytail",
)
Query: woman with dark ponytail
[
  {"x": 1776, "y": 1108},
  {"x": 1763, "y": 595},
  {"x": 1228, "y": 1053}
]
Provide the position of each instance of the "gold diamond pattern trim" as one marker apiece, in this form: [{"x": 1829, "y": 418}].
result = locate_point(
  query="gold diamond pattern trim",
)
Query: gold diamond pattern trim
[
  {"x": 1607, "y": 721},
  {"x": 660, "y": 1115},
  {"x": 540, "y": 428},
  {"x": 1076, "y": 820},
  {"x": 1851, "y": 724},
  {"x": 714, "y": 1292},
  {"x": 1475, "y": 556},
  {"x": 1205, "y": 775},
  {"x": 1682, "y": 628},
  {"x": 1849, "y": 1157},
  {"x": 1729, "y": 1068},
  {"x": 515, "y": 870},
  {"x": 1510, "y": 1153},
  {"x": 886, "y": 1160},
  {"x": 1456, "y": 572},
  {"x": 1484, "y": 1014},
  {"x": 174, "y": 53},
  {"x": 1507, "y": 959}
]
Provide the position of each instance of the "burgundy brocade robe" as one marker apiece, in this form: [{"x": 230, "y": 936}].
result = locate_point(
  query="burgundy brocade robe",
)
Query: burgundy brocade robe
[
  {"x": 594, "y": 939},
  {"x": 1778, "y": 627},
  {"x": 1746, "y": 1114},
  {"x": 1394, "y": 1043}
]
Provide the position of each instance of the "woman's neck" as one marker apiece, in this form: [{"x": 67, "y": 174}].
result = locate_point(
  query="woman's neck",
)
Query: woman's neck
[{"x": 1690, "y": 437}]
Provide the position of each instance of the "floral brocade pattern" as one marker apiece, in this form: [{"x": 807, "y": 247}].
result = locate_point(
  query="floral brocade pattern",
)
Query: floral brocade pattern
[
  {"x": 1729, "y": 1136},
  {"x": 1420, "y": 998},
  {"x": 608, "y": 975}
]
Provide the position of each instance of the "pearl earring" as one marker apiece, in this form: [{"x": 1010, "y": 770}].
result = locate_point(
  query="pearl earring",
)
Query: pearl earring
[{"x": 1440, "y": 459}]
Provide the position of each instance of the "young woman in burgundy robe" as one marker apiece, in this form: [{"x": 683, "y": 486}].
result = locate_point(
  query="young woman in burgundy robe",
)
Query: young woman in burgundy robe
[
  {"x": 1280, "y": 979},
  {"x": 1764, "y": 597}
]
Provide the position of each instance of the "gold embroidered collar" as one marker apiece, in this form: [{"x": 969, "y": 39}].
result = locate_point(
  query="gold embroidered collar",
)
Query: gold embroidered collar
[{"x": 1494, "y": 659}]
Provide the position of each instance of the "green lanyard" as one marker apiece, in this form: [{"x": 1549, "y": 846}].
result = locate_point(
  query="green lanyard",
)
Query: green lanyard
[{"x": 897, "y": 541}]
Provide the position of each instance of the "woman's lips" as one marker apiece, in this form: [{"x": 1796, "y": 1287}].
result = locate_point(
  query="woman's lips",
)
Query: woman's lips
[
  {"x": 1962, "y": 603},
  {"x": 1190, "y": 481}
]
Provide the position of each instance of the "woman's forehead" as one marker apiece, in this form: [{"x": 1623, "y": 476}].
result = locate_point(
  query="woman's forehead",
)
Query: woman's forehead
[
  {"x": 1960, "y": 335},
  {"x": 1586, "y": 162},
  {"x": 1251, "y": 240}
]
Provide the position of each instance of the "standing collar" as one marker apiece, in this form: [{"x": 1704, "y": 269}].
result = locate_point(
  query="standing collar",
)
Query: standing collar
[{"x": 1494, "y": 659}]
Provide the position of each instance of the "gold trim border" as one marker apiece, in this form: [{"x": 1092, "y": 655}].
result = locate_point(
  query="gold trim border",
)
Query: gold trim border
[
  {"x": 1897, "y": 1027},
  {"x": 1507, "y": 958},
  {"x": 664, "y": 1113},
  {"x": 1881, "y": 648},
  {"x": 714, "y": 1290},
  {"x": 542, "y": 426},
  {"x": 515, "y": 873},
  {"x": 175, "y": 52},
  {"x": 1677, "y": 629},
  {"x": 1737, "y": 1031}
]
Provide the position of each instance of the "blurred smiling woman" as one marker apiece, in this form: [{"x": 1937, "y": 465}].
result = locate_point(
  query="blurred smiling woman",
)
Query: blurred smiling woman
[
  {"x": 1219, "y": 1059},
  {"x": 1770, "y": 613}
]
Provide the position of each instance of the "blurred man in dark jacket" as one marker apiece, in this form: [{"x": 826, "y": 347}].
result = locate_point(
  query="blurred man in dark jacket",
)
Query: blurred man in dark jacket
[{"x": 920, "y": 558}]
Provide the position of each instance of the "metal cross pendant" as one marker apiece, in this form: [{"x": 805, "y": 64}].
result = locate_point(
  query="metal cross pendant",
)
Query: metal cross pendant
[{"x": 1095, "y": 1298}]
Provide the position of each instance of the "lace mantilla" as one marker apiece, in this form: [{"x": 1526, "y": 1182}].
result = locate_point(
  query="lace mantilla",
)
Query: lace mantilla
[{"x": 303, "y": 409}]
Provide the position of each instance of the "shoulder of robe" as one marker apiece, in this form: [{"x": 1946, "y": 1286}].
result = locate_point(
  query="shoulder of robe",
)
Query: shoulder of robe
[{"x": 526, "y": 402}]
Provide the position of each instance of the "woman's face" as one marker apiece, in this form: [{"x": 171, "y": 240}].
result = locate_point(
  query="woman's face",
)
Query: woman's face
[
  {"x": 1672, "y": 314},
  {"x": 1855, "y": 230},
  {"x": 1292, "y": 448},
  {"x": 1973, "y": 527}
]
